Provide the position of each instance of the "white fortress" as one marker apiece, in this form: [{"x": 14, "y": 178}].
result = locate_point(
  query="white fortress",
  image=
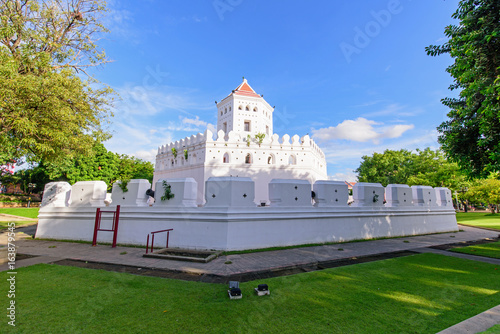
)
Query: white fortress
[
  {"x": 237, "y": 150},
  {"x": 219, "y": 186}
]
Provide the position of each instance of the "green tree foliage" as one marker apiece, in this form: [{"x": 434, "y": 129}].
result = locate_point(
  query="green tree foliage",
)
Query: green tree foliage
[
  {"x": 47, "y": 111},
  {"x": 425, "y": 167},
  {"x": 485, "y": 191},
  {"x": 101, "y": 165},
  {"x": 471, "y": 136}
]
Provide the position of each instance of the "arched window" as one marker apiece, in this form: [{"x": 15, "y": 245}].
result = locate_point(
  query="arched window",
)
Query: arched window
[
  {"x": 271, "y": 160},
  {"x": 248, "y": 158},
  {"x": 225, "y": 158},
  {"x": 255, "y": 109},
  {"x": 225, "y": 111},
  {"x": 292, "y": 160},
  {"x": 247, "y": 108},
  {"x": 240, "y": 108},
  {"x": 229, "y": 108}
]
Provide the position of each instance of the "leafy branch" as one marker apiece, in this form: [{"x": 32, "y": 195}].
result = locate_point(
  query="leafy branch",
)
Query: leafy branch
[{"x": 167, "y": 191}]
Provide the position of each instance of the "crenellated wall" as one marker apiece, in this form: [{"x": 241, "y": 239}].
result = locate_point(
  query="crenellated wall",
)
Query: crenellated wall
[
  {"x": 230, "y": 220},
  {"x": 210, "y": 155}
]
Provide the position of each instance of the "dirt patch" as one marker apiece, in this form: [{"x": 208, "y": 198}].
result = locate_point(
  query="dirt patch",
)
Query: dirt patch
[
  {"x": 465, "y": 243},
  {"x": 243, "y": 277},
  {"x": 20, "y": 257}
]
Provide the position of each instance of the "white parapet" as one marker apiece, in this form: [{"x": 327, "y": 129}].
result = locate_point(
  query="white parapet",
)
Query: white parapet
[
  {"x": 285, "y": 192},
  {"x": 398, "y": 195},
  {"x": 229, "y": 192},
  {"x": 56, "y": 194},
  {"x": 330, "y": 193},
  {"x": 88, "y": 193},
  {"x": 134, "y": 196},
  {"x": 424, "y": 196},
  {"x": 443, "y": 196},
  {"x": 368, "y": 194},
  {"x": 184, "y": 192}
]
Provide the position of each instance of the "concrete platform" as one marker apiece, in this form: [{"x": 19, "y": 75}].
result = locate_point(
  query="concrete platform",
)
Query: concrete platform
[{"x": 245, "y": 263}]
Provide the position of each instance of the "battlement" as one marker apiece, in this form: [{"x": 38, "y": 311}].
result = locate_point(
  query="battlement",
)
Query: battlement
[{"x": 235, "y": 139}]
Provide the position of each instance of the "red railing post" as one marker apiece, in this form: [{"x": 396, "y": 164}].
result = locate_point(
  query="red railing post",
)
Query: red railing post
[
  {"x": 96, "y": 225},
  {"x": 116, "y": 218},
  {"x": 153, "y": 239},
  {"x": 114, "y": 226}
]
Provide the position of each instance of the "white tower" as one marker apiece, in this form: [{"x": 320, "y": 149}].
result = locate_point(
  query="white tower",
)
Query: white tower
[{"x": 245, "y": 111}]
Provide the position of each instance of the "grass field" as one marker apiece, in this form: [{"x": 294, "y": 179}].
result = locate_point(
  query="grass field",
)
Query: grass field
[
  {"x": 491, "y": 249},
  {"x": 493, "y": 330},
  {"x": 479, "y": 219},
  {"x": 31, "y": 213},
  {"x": 417, "y": 294}
]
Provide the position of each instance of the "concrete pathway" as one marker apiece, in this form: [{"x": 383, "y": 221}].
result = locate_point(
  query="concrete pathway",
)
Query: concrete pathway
[
  {"x": 479, "y": 323},
  {"x": 11, "y": 218},
  {"x": 245, "y": 263}
]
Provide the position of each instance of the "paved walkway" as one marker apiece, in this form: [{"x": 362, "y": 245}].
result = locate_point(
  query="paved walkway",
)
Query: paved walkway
[
  {"x": 479, "y": 323},
  {"x": 244, "y": 263},
  {"x": 51, "y": 251},
  {"x": 11, "y": 218}
]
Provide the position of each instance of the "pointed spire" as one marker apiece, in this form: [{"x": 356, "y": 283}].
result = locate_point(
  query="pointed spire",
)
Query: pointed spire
[{"x": 245, "y": 89}]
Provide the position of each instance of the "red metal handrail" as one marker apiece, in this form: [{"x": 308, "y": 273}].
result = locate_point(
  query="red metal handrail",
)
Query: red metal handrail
[
  {"x": 114, "y": 227},
  {"x": 153, "y": 238}
]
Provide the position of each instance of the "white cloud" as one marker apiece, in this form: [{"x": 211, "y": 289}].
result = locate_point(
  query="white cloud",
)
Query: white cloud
[
  {"x": 212, "y": 128},
  {"x": 146, "y": 155},
  {"x": 146, "y": 100},
  {"x": 394, "y": 109},
  {"x": 346, "y": 175},
  {"x": 361, "y": 130},
  {"x": 196, "y": 121}
]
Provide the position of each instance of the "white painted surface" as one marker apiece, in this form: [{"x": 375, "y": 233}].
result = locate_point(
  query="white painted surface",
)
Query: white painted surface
[
  {"x": 444, "y": 197},
  {"x": 398, "y": 195},
  {"x": 424, "y": 196},
  {"x": 231, "y": 220},
  {"x": 225, "y": 154},
  {"x": 330, "y": 193},
  {"x": 135, "y": 196},
  {"x": 56, "y": 194},
  {"x": 230, "y": 192},
  {"x": 183, "y": 189},
  {"x": 285, "y": 192},
  {"x": 368, "y": 194},
  {"x": 248, "y": 228},
  {"x": 88, "y": 193}
]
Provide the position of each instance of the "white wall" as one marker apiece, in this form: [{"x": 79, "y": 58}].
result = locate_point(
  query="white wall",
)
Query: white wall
[{"x": 206, "y": 159}]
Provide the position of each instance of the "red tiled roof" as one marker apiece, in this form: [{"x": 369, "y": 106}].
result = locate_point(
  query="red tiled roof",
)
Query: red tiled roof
[{"x": 245, "y": 89}]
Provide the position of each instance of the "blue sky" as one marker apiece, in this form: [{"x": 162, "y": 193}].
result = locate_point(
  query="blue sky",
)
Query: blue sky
[{"x": 353, "y": 74}]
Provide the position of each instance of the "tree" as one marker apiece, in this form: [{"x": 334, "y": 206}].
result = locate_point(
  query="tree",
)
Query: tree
[
  {"x": 47, "y": 111},
  {"x": 485, "y": 191},
  {"x": 101, "y": 165},
  {"x": 425, "y": 167},
  {"x": 471, "y": 135}
]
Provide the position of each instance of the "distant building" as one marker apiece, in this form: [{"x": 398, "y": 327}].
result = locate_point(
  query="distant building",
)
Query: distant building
[{"x": 244, "y": 146}]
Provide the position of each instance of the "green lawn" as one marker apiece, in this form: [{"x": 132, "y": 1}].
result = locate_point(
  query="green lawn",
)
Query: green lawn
[
  {"x": 479, "y": 219},
  {"x": 493, "y": 330},
  {"x": 417, "y": 294},
  {"x": 23, "y": 212},
  {"x": 491, "y": 249}
]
